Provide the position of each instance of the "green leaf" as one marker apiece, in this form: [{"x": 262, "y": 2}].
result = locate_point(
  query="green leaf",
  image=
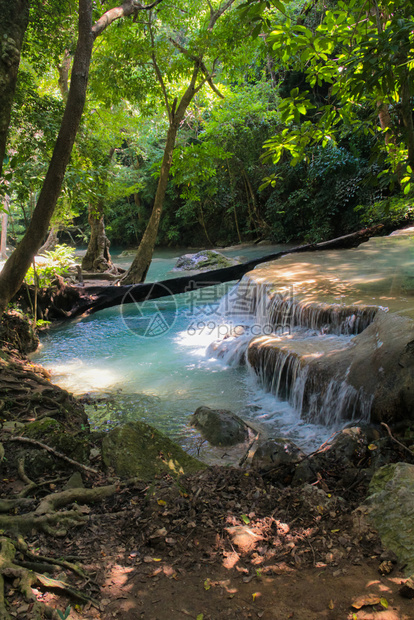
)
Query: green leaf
[
  {"x": 200, "y": 617},
  {"x": 384, "y": 603},
  {"x": 246, "y": 519}
]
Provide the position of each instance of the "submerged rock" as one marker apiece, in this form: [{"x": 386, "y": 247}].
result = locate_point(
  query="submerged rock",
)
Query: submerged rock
[
  {"x": 139, "y": 450},
  {"x": 204, "y": 261},
  {"x": 391, "y": 508},
  {"x": 219, "y": 426}
]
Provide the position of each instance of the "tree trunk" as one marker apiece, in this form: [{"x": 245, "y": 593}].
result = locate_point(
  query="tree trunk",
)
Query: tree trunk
[
  {"x": 97, "y": 257},
  {"x": 13, "y": 24},
  {"x": 3, "y": 242},
  {"x": 19, "y": 262},
  {"x": 51, "y": 241},
  {"x": 142, "y": 260}
]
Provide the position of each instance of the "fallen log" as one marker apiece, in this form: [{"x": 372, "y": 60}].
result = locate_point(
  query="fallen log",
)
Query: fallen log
[{"x": 91, "y": 299}]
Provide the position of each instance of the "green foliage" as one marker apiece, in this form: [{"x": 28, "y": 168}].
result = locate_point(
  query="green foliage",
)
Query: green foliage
[
  {"x": 57, "y": 263},
  {"x": 392, "y": 212},
  {"x": 363, "y": 53},
  {"x": 63, "y": 615},
  {"x": 317, "y": 201}
]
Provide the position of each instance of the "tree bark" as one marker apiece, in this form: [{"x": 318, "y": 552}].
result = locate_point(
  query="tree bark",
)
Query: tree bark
[
  {"x": 19, "y": 262},
  {"x": 142, "y": 260},
  {"x": 51, "y": 241},
  {"x": 97, "y": 257},
  {"x": 13, "y": 23}
]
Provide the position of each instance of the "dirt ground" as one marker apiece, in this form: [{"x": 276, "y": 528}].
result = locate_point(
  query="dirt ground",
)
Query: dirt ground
[{"x": 222, "y": 544}]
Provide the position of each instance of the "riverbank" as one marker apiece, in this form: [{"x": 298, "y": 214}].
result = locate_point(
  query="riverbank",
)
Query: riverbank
[{"x": 220, "y": 543}]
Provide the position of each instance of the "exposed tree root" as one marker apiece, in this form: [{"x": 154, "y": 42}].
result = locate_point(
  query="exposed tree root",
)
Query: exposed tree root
[
  {"x": 55, "y": 501},
  {"x": 26, "y": 578},
  {"x": 39, "y": 444}
]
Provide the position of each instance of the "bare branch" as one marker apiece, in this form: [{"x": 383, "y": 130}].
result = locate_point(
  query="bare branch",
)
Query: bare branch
[{"x": 129, "y": 7}]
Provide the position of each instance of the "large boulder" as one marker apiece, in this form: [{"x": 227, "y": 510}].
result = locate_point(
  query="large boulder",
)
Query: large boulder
[
  {"x": 138, "y": 450},
  {"x": 391, "y": 510},
  {"x": 204, "y": 261},
  {"x": 219, "y": 426}
]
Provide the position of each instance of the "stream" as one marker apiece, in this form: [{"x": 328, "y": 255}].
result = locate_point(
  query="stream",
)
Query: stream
[{"x": 187, "y": 355}]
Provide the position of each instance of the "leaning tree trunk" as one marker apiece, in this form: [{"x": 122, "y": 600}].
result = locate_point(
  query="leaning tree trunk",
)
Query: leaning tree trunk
[
  {"x": 13, "y": 24},
  {"x": 142, "y": 260},
  {"x": 19, "y": 262},
  {"x": 97, "y": 257}
]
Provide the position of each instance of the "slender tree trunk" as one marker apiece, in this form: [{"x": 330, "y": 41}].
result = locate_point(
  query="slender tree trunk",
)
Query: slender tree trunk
[
  {"x": 51, "y": 241},
  {"x": 142, "y": 260},
  {"x": 3, "y": 241},
  {"x": 97, "y": 257},
  {"x": 19, "y": 262},
  {"x": 13, "y": 24}
]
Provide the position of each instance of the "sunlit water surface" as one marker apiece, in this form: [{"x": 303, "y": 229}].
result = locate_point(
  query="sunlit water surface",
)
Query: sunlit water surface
[{"x": 162, "y": 380}]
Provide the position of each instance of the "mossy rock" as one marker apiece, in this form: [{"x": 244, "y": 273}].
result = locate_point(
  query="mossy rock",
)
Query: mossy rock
[
  {"x": 204, "y": 261},
  {"x": 53, "y": 433},
  {"x": 219, "y": 426},
  {"x": 391, "y": 510},
  {"x": 138, "y": 450}
]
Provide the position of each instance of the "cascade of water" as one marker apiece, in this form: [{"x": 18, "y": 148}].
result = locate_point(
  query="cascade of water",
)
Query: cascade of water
[
  {"x": 297, "y": 332},
  {"x": 281, "y": 311}
]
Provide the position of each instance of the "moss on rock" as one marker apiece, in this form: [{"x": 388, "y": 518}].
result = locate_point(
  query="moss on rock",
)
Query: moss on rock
[
  {"x": 139, "y": 450},
  {"x": 53, "y": 433}
]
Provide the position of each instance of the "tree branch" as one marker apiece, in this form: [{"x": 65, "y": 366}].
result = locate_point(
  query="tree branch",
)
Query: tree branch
[
  {"x": 203, "y": 67},
  {"x": 129, "y": 7},
  {"x": 159, "y": 76},
  {"x": 215, "y": 16}
]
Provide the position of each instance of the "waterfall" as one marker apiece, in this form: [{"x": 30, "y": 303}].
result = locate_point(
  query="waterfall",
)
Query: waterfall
[{"x": 285, "y": 342}]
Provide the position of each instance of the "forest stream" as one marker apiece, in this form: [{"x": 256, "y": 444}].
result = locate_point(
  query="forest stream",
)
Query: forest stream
[{"x": 161, "y": 360}]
